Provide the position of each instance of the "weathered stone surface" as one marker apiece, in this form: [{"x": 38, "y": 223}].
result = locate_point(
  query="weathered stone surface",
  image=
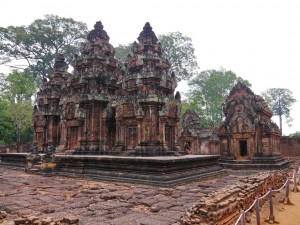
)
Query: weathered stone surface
[
  {"x": 223, "y": 206},
  {"x": 196, "y": 140},
  {"x": 99, "y": 110}
]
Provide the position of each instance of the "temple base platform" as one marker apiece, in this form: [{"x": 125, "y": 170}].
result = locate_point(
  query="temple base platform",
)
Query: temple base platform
[
  {"x": 159, "y": 171},
  {"x": 255, "y": 163}
]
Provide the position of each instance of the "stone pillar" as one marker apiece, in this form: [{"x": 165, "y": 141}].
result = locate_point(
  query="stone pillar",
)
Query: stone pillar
[
  {"x": 162, "y": 129},
  {"x": 140, "y": 129},
  {"x": 94, "y": 126},
  {"x": 50, "y": 130}
]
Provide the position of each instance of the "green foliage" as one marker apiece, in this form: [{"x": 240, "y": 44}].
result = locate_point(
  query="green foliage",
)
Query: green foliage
[
  {"x": 122, "y": 51},
  {"x": 178, "y": 50},
  {"x": 194, "y": 100},
  {"x": 38, "y": 44},
  {"x": 18, "y": 86},
  {"x": 7, "y": 129},
  {"x": 16, "y": 91},
  {"x": 211, "y": 88},
  {"x": 296, "y": 134},
  {"x": 280, "y": 101}
]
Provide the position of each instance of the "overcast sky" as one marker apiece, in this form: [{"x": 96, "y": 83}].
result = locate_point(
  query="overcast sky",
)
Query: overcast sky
[{"x": 258, "y": 40}]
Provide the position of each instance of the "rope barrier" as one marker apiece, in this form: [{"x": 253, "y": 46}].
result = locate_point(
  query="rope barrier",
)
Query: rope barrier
[
  {"x": 271, "y": 217},
  {"x": 260, "y": 198},
  {"x": 277, "y": 190},
  {"x": 238, "y": 220},
  {"x": 250, "y": 207}
]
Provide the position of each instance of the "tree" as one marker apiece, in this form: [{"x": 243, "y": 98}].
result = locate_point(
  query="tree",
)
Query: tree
[
  {"x": 194, "y": 100},
  {"x": 178, "y": 50},
  {"x": 38, "y": 44},
  {"x": 122, "y": 51},
  {"x": 296, "y": 134},
  {"x": 280, "y": 101},
  {"x": 213, "y": 87},
  {"x": 7, "y": 129},
  {"x": 17, "y": 90}
]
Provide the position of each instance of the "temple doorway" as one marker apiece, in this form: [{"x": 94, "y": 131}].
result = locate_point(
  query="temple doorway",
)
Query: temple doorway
[
  {"x": 169, "y": 137},
  {"x": 73, "y": 137},
  {"x": 243, "y": 148},
  {"x": 111, "y": 132},
  {"x": 132, "y": 137},
  {"x": 39, "y": 139}
]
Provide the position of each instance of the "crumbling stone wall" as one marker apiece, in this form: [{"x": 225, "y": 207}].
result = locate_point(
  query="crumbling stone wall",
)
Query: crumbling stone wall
[
  {"x": 223, "y": 207},
  {"x": 13, "y": 148},
  {"x": 290, "y": 146},
  {"x": 33, "y": 220}
]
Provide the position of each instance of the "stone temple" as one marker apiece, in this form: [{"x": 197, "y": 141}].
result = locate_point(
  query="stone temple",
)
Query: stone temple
[
  {"x": 101, "y": 120},
  {"x": 248, "y": 137},
  {"x": 104, "y": 118},
  {"x": 102, "y": 109}
]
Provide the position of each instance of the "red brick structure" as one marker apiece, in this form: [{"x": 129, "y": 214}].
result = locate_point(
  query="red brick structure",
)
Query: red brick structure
[
  {"x": 248, "y": 130},
  {"x": 201, "y": 141},
  {"x": 248, "y": 134},
  {"x": 97, "y": 109},
  {"x": 147, "y": 113},
  {"x": 290, "y": 146}
]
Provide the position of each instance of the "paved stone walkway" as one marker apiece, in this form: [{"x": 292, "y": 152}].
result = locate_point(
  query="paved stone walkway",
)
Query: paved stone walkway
[{"x": 96, "y": 202}]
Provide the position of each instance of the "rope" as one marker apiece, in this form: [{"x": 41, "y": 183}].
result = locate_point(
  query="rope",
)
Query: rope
[
  {"x": 287, "y": 180},
  {"x": 264, "y": 195},
  {"x": 238, "y": 220},
  {"x": 250, "y": 206}
]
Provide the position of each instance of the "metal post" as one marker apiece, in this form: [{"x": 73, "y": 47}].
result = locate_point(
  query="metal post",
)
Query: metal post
[
  {"x": 295, "y": 189},
  {"x": 257, "y": 211},
  {"x": 271, "y": 216},
  {"x": 243, "y": 218}
]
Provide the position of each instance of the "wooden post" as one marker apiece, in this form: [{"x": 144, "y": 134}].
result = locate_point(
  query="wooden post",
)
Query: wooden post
[
  {"x": 257, "y": 211},
  {"x": 271, "y": 216}
]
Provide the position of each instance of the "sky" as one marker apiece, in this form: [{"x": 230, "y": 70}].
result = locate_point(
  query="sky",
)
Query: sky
[{"x": 258, "y": 40}]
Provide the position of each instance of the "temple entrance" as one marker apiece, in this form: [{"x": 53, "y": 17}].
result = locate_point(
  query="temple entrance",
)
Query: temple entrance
[
  {"x": 73, "y": 137},
  {"x": 169, "y": 137},
  {"x": 40, "y": 139},
  {"x": 131, "y": 137},
  {"x": 243, "y": 148},
  {"x": 111, "y": 132}
]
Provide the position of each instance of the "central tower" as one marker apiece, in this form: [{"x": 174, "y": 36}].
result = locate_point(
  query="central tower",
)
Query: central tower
[{"x": 147, "y": 112}]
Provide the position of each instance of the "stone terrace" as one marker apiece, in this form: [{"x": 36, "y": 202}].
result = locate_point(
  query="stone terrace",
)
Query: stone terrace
[{"x": 96, "y": 202}]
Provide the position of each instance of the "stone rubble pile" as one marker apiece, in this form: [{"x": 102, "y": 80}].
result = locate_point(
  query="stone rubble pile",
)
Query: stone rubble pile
[
  {"x": 3, "y": 215},
  {"x": 223, "y": 207},
  {"x": 33, "y": 220}
]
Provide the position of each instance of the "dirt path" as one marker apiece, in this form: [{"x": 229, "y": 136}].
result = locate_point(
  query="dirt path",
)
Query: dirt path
[{"x": 284, "y": 214}]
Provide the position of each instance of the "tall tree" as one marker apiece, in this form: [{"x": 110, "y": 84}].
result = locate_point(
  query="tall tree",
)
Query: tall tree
[
  {"x": 36, "y": 46},
  {"x": 7, "y": 129},
  {"x": 178, "y": 50},
  {"x": 17, "y": 90},
  {"x": 213, "y": 86},
  {"x": 280, "y": 101}
]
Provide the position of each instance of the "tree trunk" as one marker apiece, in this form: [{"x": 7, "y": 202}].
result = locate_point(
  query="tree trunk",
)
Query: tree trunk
[{"x": 280, "y": 122}]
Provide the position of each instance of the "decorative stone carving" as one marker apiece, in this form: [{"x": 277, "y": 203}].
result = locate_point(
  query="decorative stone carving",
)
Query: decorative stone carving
[
  {"x": 203, "y": 141},
  {"x": 154, "y": 112},
  {"x": 247, "y": 124},
  {"x": 96, "y": 109}
]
